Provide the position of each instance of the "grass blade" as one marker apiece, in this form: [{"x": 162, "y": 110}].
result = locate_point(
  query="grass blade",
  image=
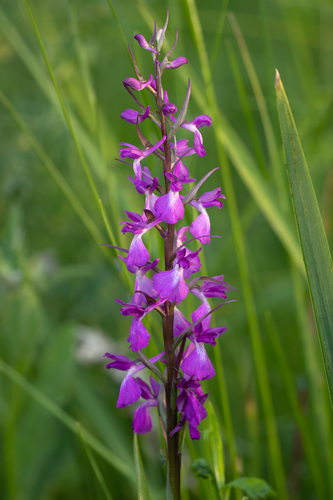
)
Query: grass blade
[
  {"x": 316, "y": 254},
  {"x": 69, "y": 121},
  {"x": 244, "y": 100},
  {"x": 261, "y": 104},
  {"x": 258, "y": 351},
  {"x": 67, "y": 420},
  {"x": 216, "y": 447},
  {"x": 302, "y": 421},
  {"x": 143, "y": 491},
  {"x": 94, "y": 465},
  {"x": 53, "y": 171}
]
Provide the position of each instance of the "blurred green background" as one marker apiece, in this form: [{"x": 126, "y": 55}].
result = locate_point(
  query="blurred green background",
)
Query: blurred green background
[{"x": 57, "y": 284}]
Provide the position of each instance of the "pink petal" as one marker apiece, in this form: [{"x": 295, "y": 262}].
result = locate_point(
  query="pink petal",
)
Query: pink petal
[
  {"x": 130, "y": 391},
  {"x": 171, "y": 284},
  {"x": 138, "y": 254},
  {"x": 197, "y": 364},
  {"x": 139, "y": 335},
  {"x": 169, "y": 208},
  {"x": 201, "y": 227}
]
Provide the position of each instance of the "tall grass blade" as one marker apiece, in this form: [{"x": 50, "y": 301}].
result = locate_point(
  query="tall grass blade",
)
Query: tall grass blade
[
  {"x": 119, "y": 26},
  {"x": 67, "y": 420},
  {"x": 143, "y": 491},
  {"x": 94, "y": 465},
  {"x": 219, "y": 31},
  {"x": 316, "y": 253},
  {"x": 35, "y": 68},
  {"x": 258, "y": 351},
  {"x": 68, "y": 120},
  {"x": 242, "y": 92},
  {"x": 53, "y": 170},
  {"x": 62, "y": 102},
  {"x": 261, "y": 103},
  {"x": 302, "y": 421},
  {"x": 216, "y": 447}
]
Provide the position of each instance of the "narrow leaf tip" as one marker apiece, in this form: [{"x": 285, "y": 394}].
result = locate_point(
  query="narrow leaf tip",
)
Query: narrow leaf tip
[{"x": 277, "y": 80}]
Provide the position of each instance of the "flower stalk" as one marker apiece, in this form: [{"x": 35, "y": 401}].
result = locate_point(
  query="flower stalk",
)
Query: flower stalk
[{"x": 176, "y": 391}]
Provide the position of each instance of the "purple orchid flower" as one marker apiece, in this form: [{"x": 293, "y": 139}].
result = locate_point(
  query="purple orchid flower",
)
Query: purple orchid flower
[
  {"x": 182, "y": 148},
  {"x": 176, "y": 63},
  {"x": 135, "y": 84},
  {"x": 171, "y": 284},
  {"x": 146, "y": 184},
  {"x": 169, "y": 109},
  {"x": 169, "y": 207},
  {"x": 202, "y": 310},
  {"x": 139, "y": 335},
  {"x": 130, "y": 389},
  {"x": 189, "y": 261},
  {"x": 134, "y": 117},
  {"x": 138, "y": 254},
  {"x": 143, "y": 285},
  {"x": 190, "y": 405},
  {"x": 194, "y": 126},
  {"x": 137, "y": 154},
  {"x": 200, "y": 227},
  {"x": 180, "y": 323},
  {"x": 163, "y": 290},
  {"x": 196, "y": 362},
  {"x": 193, "y": 264},
  {"x": 142, "y": 422},
  {"x": 182, "y": 172},
  {"x": 216, "y": 288},
  {"x": 144, "y": 44}
]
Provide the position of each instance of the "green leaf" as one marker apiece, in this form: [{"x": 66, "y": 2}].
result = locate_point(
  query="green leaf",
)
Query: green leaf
[
  {"x": 216, "y": 446},
  {"x": 316, "y": 254},
  {"x": 143, "y": 491},
  {"x": 201, "y": 468},
  {"x": 94, "y": 465},
  {"x": 66, "y": 419},
  {"x": 253, "y": 487}
]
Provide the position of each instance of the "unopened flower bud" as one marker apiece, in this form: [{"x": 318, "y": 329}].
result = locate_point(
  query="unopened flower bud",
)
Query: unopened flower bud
[
  {"x": 135, "y": 84},
  {"x": 169, "y": 109},
  {"x": 176, "y": 63},
  {"x": 143, "y": 43}
]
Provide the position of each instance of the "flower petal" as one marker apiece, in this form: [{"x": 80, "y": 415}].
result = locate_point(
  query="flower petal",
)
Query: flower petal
[
  {"x": 169, "y": 207},
  {"x": 138, "y": 254},
  {"x": 197, "y": 364},
  {"x": 119, "y": 362},
  {"x": 135, "y": 84},
  {"x": 143, "y": 43},
  {"x": 171, "y": 284},
  {"x": 142, "y": 420},
  {"x": 130, "y": 391},
  {"x": 139, "y": 335},
  {"x": 200, "y": 227}
]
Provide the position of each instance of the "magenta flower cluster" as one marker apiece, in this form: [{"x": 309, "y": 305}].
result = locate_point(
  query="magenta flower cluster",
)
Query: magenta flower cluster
[{"x": 162, "y": 290}]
